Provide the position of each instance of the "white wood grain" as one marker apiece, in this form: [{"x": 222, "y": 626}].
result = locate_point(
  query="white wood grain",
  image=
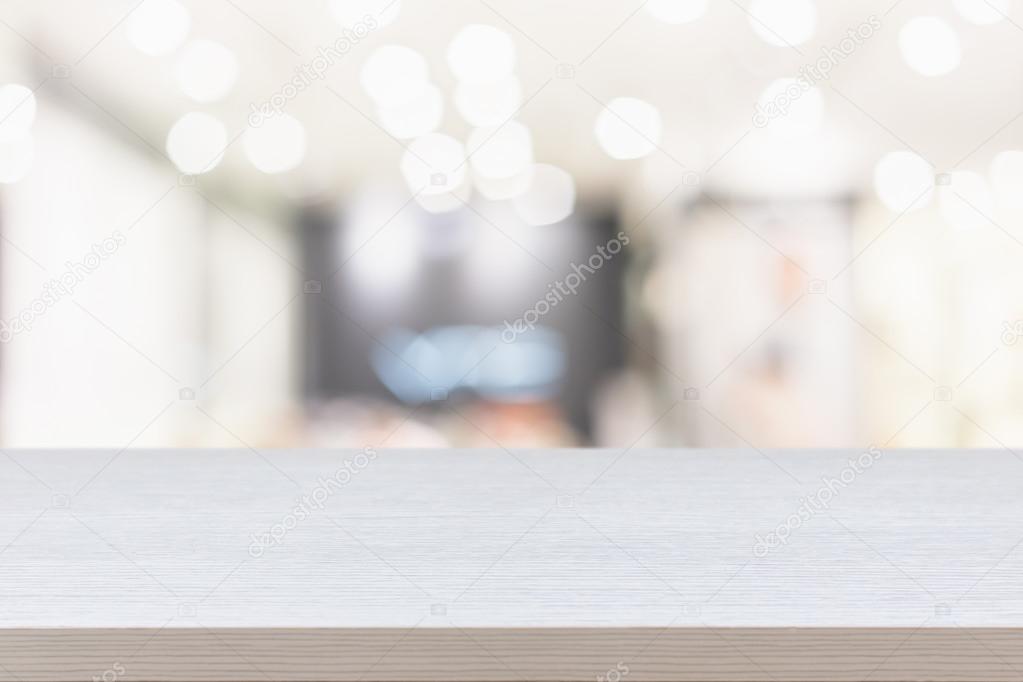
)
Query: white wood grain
[{"x": 497, "y": 565}]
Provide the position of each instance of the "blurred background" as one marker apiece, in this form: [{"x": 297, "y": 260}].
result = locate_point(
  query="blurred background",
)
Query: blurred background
[{"x": 499, "y": 223}]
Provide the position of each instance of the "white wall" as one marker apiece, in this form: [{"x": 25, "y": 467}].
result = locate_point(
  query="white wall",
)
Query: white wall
[{"x": 105, "y": 364}]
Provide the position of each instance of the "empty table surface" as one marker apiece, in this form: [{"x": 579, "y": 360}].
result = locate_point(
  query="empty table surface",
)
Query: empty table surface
[{"x": 498, "y": 564}]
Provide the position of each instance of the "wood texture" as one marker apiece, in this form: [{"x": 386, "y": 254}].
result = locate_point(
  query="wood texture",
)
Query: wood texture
[{"x": 510, "y": 565}]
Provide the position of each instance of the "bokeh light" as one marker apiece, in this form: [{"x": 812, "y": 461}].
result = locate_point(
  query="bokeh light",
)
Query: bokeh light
[
  {"x": 434, "y": 164},
  {"x": 904, "y": 181},
  {"x": 196, "y": 143},
  {"x": 497, "y": 189},
  {"x": 394, "y": 75},
  {"x": 502, "y": 152},
  {"x": 158, "y": 27},
  {"x": 17, "y": 111},
  {"x": 628, "y": 128},
  {"x": 550, "y": 197},
  {"x": 445, "y": 202},
  {"x": 276, "y": 146},
  {"x": 930, "y": 46},
  {"x": 416, "y": 117},
  {"x": 488, "y": 104}
]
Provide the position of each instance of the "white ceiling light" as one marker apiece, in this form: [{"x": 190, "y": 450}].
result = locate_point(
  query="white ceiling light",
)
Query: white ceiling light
[
  {"x": 676, "y": 11},
  {"x": 628, "y": 128},
  {"x": 798, "y": 110},
  {"x": 1007, "y": 178},
  {"x": 434, "y": 164},
  {"x": 158, "y": 27},
  {"x": 278, "y": 145},
  {"x": 550, "y": 197},
  {"x": 481, "y": 54},
  {"x": 206, "y": 71},
  {"x": 196, "y": 143},
  {"x": 502, "y": 152},
  {"x": 394, "y": 75},
  {"x": 784, "y": 23},
  {"x": 965, "y": 202},
  {"x": 904, "y": 181},
  {"x": 415, "y": 118},
  {"x": 488, "y": 104},
  {"x": 983, "y": 11},
  {"x": 16, "y": 157},
  {"x": 929, "y": 46},
  {"x": 349, "y": 13},
  {"x": 17, "y": 111}
]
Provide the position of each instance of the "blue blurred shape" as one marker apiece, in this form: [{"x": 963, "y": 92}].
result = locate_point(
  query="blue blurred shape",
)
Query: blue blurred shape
[{"x": 414, "y": 366}]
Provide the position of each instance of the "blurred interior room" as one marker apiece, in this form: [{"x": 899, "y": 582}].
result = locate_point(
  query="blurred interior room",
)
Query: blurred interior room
[{"x": 394, "y": 223}]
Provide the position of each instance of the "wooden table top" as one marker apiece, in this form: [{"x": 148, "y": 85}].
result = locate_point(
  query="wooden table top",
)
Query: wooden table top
[{"x": 498, "y": 564}]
